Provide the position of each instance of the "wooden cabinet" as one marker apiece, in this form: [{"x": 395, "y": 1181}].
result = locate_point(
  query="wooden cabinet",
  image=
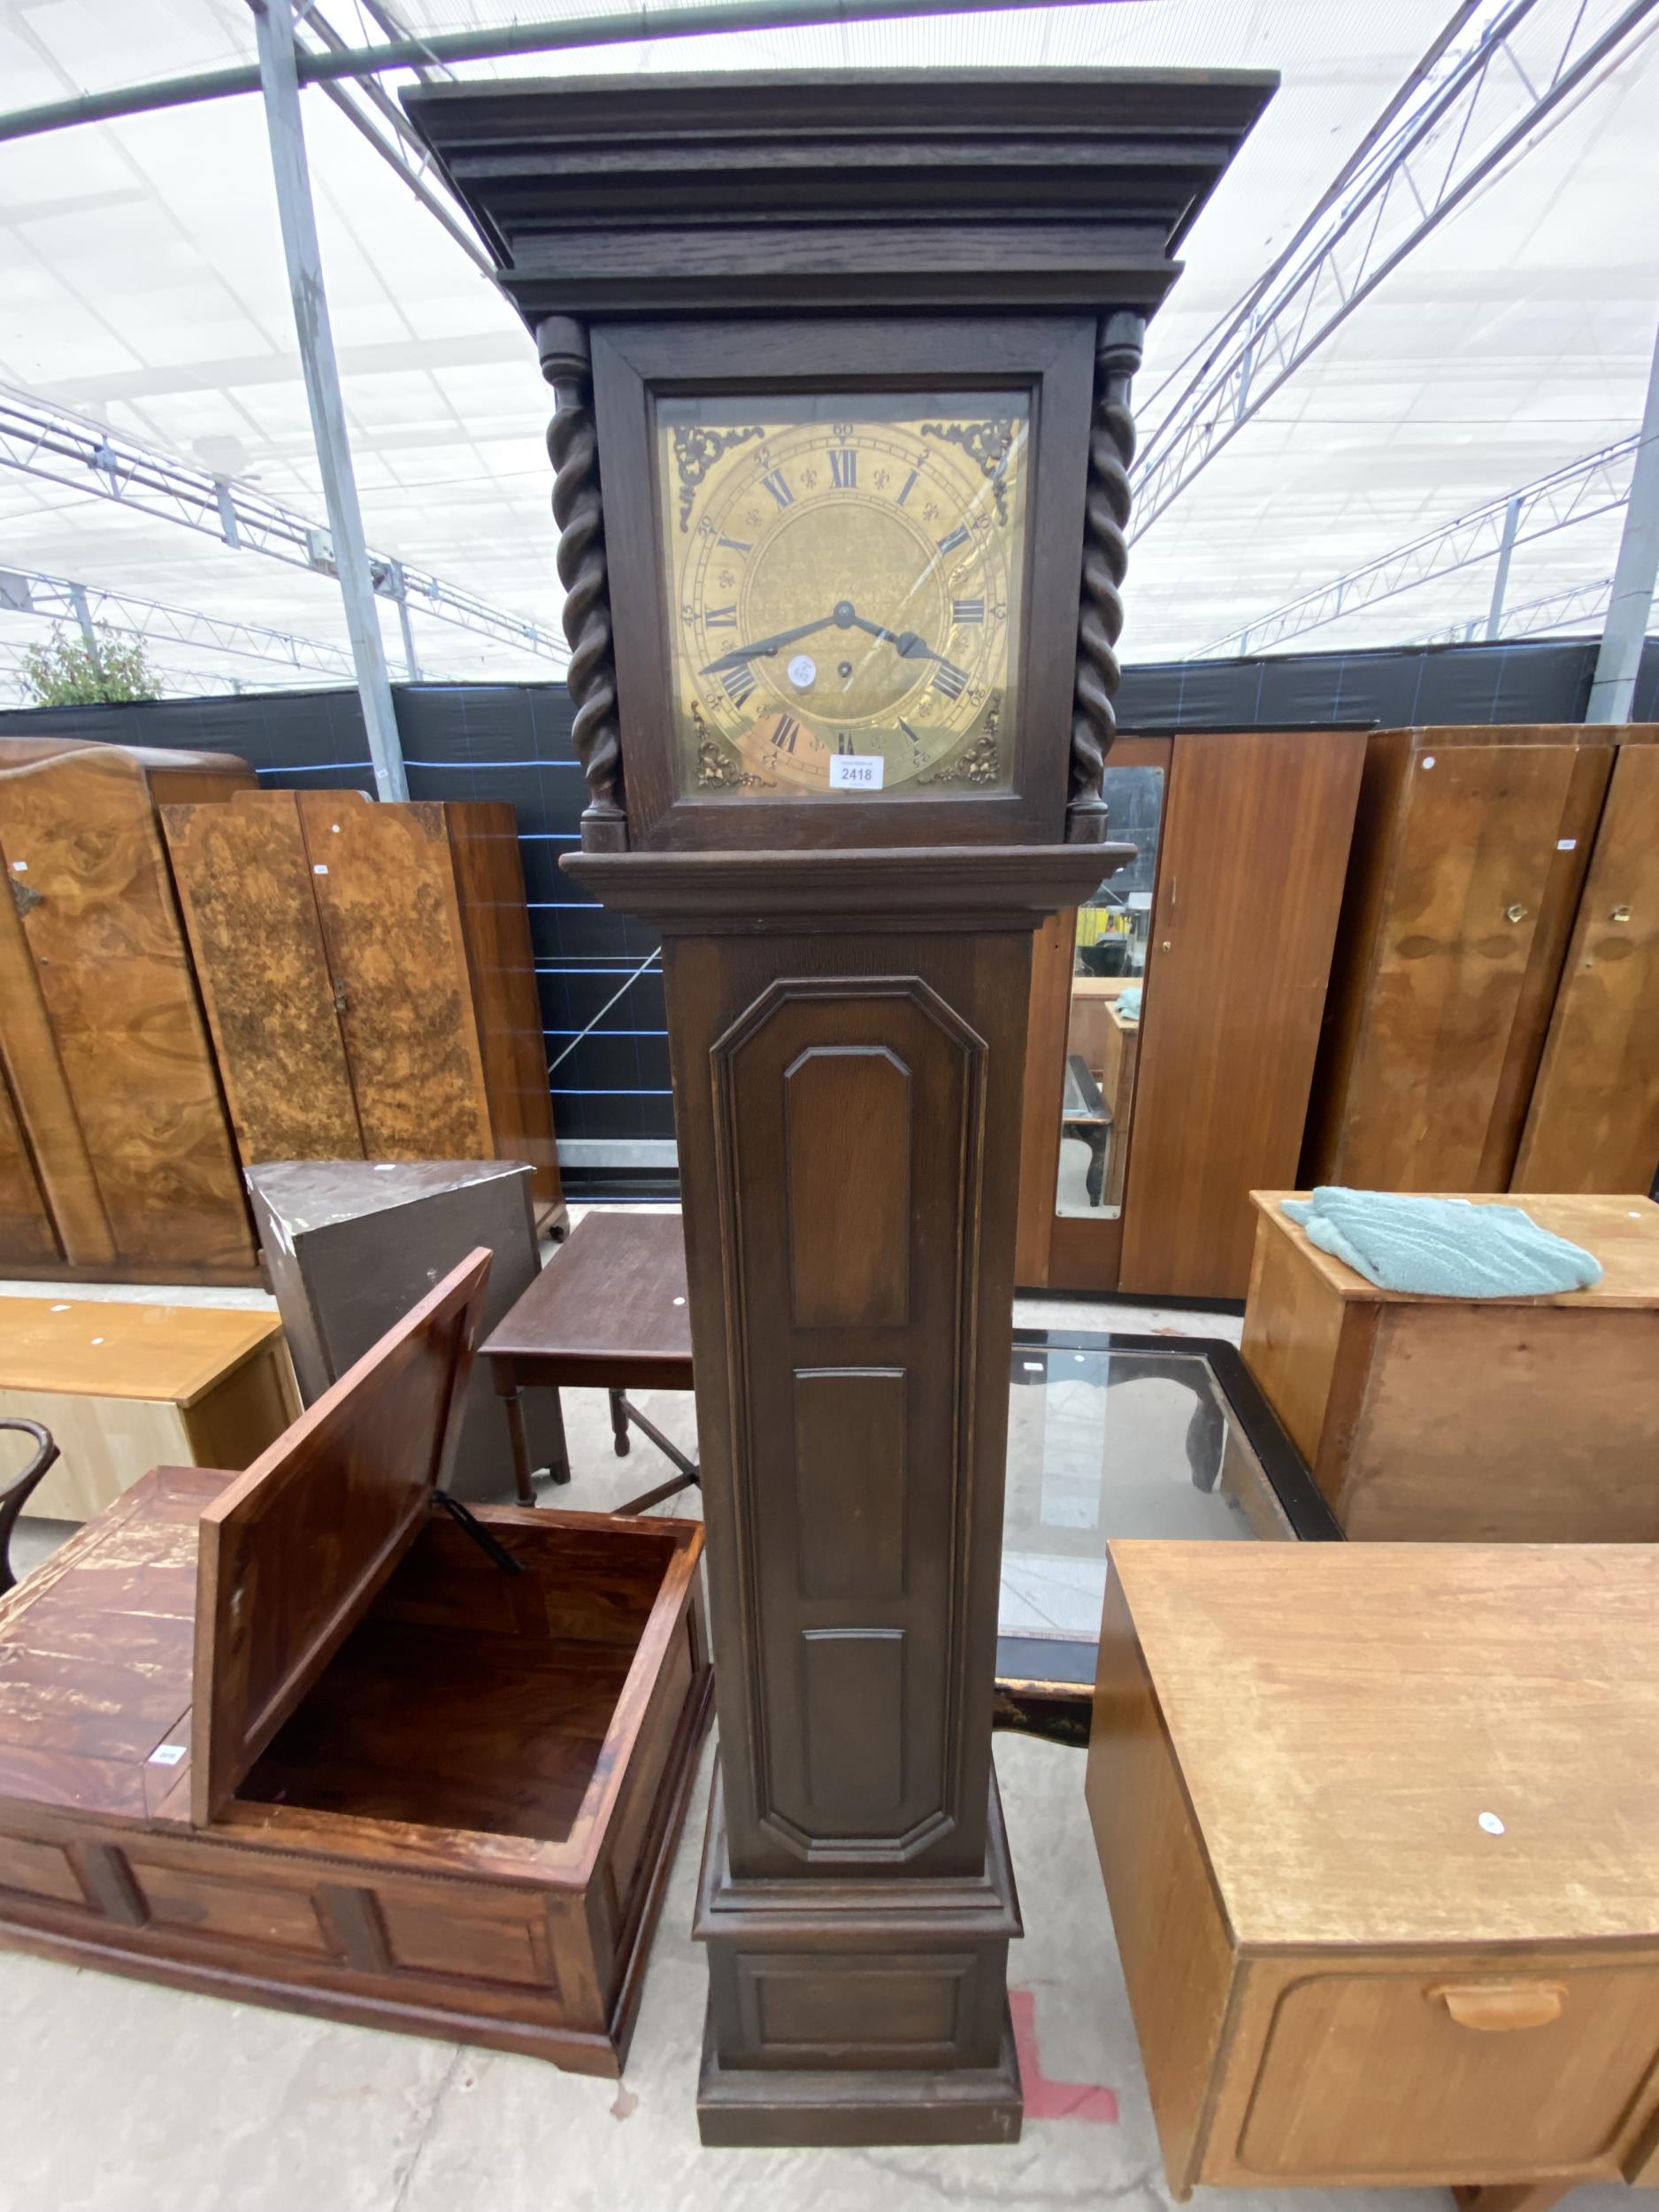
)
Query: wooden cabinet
[
  {"x": 368, "y": 976},
  {"x": 318, "y": 1749},
  {"x": 1389, "y": 1932},
  {"x": 1516, "y": 1420},
  {"x": 116, "y": 1157},
  {"x": 1472, "y": 860},
  {"x": 1251, "y": 853}
]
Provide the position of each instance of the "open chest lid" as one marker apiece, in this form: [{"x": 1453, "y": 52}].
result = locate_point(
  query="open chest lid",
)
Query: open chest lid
[{"x": 294, "y": 1552}]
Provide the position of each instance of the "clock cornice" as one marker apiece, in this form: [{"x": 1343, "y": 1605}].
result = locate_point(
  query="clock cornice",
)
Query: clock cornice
[{"x": 811, "y": 192}]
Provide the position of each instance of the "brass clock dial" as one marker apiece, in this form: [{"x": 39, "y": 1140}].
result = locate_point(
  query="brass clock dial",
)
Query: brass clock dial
[{"x": 846, "y": 579}]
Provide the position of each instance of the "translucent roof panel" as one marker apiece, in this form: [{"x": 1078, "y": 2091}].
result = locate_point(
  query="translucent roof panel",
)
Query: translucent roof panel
[{"x": 143, "y": 286}]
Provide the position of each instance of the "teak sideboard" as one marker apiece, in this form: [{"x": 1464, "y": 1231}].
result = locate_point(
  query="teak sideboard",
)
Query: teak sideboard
[
  {"x": 292, "y": 1737},
  {"x": 1378, "y": 1825}
]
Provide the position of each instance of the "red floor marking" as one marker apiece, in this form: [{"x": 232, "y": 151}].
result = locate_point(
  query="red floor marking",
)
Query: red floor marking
[{"x": 1047, "y": 2100}]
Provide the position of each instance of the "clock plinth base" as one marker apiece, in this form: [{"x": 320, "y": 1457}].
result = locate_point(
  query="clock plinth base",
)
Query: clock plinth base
[
  {"x": 858, "y": 2010},
  {"x": 754, "y": 2109}
]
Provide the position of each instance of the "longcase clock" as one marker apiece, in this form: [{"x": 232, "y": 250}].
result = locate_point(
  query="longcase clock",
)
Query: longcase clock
[{"x": 841, "y": 370}]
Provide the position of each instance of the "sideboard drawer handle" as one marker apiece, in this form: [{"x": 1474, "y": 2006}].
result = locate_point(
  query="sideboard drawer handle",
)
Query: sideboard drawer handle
[{"x": 1502, "y": 2005}]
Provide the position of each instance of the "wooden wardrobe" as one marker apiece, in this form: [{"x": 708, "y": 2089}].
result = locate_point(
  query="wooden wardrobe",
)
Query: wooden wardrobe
[
  {"x": 1252, "y": 849},
  {"x": 1493, "y": 1013},
  {"x": 116, "y": 1157},
  {"x": 367, "y": 973}
]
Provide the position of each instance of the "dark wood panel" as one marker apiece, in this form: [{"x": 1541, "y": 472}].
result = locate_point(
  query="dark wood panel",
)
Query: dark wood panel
[
  {"x": 852, "y": 1718},
  {"x": 851, "y": 1476},
  {"x": 385, "y": 891},
  {"x": 913, "y": 2005},
  {"x": 1234, "y": 991},
  {"x": 1594, "y": 1123},
  {"x": 848, "y": 1143},
  {"x": 293, "y": 1551},
  {"x": 113, "y": 972},
  {"x": 928, "y": 1085},
  {"x": 244, "y": 886}
]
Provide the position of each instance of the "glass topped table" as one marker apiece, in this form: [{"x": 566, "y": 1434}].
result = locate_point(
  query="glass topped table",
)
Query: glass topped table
[{"x": 1123, "y": 1435}]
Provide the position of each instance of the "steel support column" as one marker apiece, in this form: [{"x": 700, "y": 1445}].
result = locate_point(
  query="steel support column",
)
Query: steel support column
[
  {"x": 275, "y": 25},
  {"x": 1506, "y": 553},
  {"x": 1631, "y": 608}
]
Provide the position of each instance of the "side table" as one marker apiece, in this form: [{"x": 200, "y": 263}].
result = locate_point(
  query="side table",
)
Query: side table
[{"x": 607, "y": 1312}]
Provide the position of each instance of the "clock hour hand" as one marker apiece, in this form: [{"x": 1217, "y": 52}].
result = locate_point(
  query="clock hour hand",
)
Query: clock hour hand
[
  {"x": 906, "y": 644},
  {"x": 762, "y": 647}
]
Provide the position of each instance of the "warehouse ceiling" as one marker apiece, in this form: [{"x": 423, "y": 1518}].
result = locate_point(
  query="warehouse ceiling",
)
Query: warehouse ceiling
[{"x": 142, "y": 285}]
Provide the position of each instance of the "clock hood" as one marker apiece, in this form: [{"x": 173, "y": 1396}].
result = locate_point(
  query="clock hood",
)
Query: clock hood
[{"x": 825, "y": 192}]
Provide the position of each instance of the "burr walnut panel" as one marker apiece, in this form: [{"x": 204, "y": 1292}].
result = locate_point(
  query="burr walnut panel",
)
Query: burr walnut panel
[
  {"x": 127, "y": 1051},
  {"x": 270, "y": 999},
  {"x": 386, "y": 893}
]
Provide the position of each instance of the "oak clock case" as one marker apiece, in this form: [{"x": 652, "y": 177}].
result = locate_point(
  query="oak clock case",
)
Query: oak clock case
[{"x": 851, "y": 629}]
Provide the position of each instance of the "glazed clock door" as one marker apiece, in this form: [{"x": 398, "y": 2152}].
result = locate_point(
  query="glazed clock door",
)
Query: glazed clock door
[{"x": 858, "y": 623}]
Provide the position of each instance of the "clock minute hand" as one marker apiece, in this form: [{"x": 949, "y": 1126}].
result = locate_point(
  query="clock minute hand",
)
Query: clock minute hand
[{"x": 762, "y": 647}]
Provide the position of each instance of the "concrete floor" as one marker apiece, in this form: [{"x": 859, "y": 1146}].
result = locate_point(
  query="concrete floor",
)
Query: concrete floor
[{"x": 121, "y": 2097}]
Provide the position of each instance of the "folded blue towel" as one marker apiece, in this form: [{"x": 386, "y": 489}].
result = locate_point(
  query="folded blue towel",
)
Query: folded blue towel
[
  {"x": 1442, "y": 1248},
  {"x": 1129, "y": 1004}
]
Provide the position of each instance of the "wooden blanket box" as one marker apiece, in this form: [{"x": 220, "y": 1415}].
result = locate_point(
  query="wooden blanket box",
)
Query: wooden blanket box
[{"x": 294, "y": 1737}]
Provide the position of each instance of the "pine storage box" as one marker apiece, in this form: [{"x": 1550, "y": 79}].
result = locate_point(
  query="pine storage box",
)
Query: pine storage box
[{"x": 294, "y": 1737}]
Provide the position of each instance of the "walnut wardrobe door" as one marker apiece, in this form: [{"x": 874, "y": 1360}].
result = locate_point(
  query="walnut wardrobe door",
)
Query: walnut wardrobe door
[
  {"x": 383, "y": 879},
  {"x": 113, "y": 973},
  {"x": 245, "y": 891},
  {"x": 1593, "y": 1124}
]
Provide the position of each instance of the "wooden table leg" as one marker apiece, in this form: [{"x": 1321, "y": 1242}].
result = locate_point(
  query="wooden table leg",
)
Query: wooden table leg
[
  {"x": 619, "y": 1424},
  {"x": 514, "y": 1402},
  {"x": 559, "y": 1465}
]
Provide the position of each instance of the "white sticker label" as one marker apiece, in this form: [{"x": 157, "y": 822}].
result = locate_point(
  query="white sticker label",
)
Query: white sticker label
[
  {"x": 22, "y": 866},
  {"x": 1492, "y": 1825},
  {"x": 321, "y": 868},
  {"x": 803, "y": 671},
  {"x": 167, "y": 1755},
  {"x": 1566, "y": 844},
  {"x": 857, "y": 772}
]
